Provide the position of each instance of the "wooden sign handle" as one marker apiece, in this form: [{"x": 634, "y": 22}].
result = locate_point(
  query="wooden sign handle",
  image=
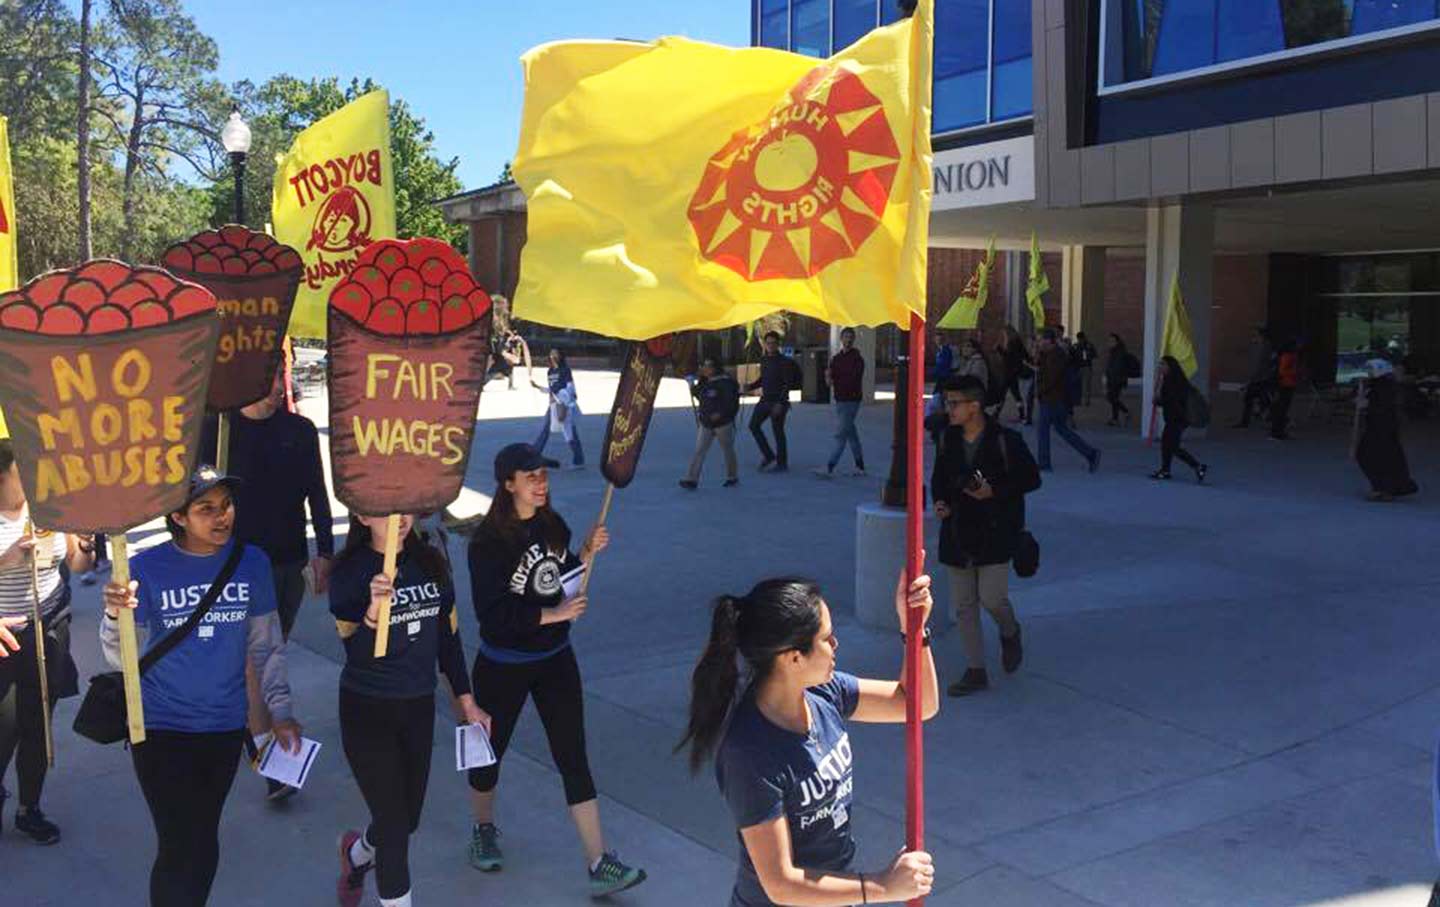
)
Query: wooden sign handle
[
  {"x": 392, "y": 551},
  {"x": 222, "y": 443},
  {"x": 37, "y": 621},
  {"x": 604, "y": 512},
  {"x": 129, "y": 645}
]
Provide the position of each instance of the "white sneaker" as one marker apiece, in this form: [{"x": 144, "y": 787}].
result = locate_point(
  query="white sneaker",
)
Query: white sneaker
[{"x": 822, "y": 473}]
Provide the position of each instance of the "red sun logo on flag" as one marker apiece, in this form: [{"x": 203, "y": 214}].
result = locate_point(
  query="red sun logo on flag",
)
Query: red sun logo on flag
[
  {"x": 4, "y": 219},
  {"x": 802, "y": 189}
]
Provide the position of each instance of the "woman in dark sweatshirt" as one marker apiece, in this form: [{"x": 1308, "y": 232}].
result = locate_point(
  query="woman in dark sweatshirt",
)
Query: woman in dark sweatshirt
[
  {"x": 525, "y": 581},
  {"x": 387, "y": 705},
  {"x": 1175, "y": 405}
]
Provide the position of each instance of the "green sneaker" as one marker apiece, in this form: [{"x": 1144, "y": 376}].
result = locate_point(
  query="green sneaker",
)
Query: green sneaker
[
  {"x": 612, "y": 877},
  {"x": 485, "y": 852}
]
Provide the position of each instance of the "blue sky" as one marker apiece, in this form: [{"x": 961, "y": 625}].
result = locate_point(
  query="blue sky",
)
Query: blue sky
[{"x": 456, "y": 63}]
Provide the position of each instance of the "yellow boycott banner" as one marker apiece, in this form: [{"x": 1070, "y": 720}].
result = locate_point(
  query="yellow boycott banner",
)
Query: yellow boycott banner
[
  {"x": 9, "y": 263},
  {"x": 334, "y": 194}
]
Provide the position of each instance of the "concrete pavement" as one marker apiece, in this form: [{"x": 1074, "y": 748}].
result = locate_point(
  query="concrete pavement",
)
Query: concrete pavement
[{"x": 1230, "y": 693}]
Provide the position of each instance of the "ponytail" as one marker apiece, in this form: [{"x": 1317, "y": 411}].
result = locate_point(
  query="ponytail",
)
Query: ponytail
[{"x": 778, "y": 615}]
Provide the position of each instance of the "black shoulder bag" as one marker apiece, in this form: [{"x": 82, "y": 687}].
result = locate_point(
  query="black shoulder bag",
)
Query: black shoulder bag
[
  {"x": 1026, "y": 559},
  {"x": 102, "y": 714}
]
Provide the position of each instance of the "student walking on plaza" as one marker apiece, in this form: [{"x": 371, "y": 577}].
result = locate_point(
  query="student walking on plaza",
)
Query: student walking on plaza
[
  {"x": 22, "y": 706},
  {"x": 387, "y": 705},
  {"x": 1287, "y": 379},
  {"x": 525, "y": 580},
  {"x": 782, "y": 750},
  {"x": 194, "y": 695},
  {"x": 847, "y": 382},
  {"x": 1262, "y": 375},
  {"x": 779, "y": 375},
  {"x": 1085, "y": 355},
  {"x": 1054, "y": 411},
  {"x": 1120, "y": 366},
  {"x": 981, "y": 475},
  {"x": 563, "y": 414},
  {"x": 1012, "y": 352},
  {"x": 275, "y": 453},
  {"x": 1378, "y": 450},
  {"x": 718, "y": 396},
  {"x": 1175, "y": 392}
]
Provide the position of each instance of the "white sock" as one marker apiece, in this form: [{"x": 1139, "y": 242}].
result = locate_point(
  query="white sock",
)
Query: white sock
[
  {"x": 361, "y": 853},
  {"x": 402, "y": 901},
  {"x": 596, "y": 865}
]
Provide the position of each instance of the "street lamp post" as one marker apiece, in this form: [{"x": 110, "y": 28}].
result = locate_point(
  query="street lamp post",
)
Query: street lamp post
[{"x": 236, "y": 139}]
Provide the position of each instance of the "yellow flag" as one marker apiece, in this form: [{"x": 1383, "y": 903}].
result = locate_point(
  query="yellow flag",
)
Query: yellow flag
[
  {"x": 1176, "y": 340},
  {"x": 9, "y": 262},
  {"x": 965, "y": 313},
  {"x": 334, "y": 193},
  {"x": 1038, "y": 286},
  {"x": 677, "y": 184}
]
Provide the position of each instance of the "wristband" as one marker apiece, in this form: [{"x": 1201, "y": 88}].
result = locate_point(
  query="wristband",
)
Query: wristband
[{"x": 924, "y": 637}]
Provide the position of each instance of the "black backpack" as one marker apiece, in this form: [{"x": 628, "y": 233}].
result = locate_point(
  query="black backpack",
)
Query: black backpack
[{"x": 1133, "y": 368}]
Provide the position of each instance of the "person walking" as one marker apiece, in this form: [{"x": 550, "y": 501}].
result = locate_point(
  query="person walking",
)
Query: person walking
[
  {"x": 30, "y": 564},
  {"x": 1378, "y": 450},
  {"x": 1085, "y": 355},
  {"x": 981, "y": 475},
  {"x": 1287, "y": 379},
  {"x": 1054, "y": 363},
  {"x": 1012, "y": 352},
  {"x": 1175, "y": 391},
  {"x": 718, "y": 402},
  {"x": 275, "y": 455},
  {"x": 1120, "y": 364},
  {"x": 387, "y": 705},
  {"x": 1262, "y": 375},
  {"x": 783, "y": 758},
  {"x": 563, "y": 414},
  {"x": 524, "y": 581},
  {"x": 779, "y": 375},
  {"x": 194, "y": 695},
  {"x": 847, "y": 382}
]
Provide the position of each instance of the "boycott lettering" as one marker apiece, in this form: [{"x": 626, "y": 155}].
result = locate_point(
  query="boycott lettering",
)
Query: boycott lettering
[
  {"x": 327, "y": 176},
  {"x": 153, "y": 451}
]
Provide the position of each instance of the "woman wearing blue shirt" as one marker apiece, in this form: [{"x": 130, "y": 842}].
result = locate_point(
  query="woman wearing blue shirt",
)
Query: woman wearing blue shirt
[
  {"x": 782, "y": 753},
  {"x": 387, "y": 705},
  {"x": 194, "y": 697},
  {"x": 564, "y": 412}
]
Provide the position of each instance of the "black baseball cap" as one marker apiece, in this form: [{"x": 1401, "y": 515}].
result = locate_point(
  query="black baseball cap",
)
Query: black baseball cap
[
  {"x": 206, "y": 477},
  {"x": 515, "y": 458}
]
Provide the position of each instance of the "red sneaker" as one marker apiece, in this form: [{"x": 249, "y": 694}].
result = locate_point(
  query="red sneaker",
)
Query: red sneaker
[{"x": 350, "y": 887}]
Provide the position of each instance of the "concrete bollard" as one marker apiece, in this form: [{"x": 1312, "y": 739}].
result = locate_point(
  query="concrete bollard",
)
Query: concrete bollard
[{"x": 879, "y": 557}]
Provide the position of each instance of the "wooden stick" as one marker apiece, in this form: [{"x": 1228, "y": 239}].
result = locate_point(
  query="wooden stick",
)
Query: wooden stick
[
  {"x": 222, "y": 443},
  {"x": 604, "y": 512},
  {"x": 129, "y": 646},
  {"x": 38, "y": 622},
  {"x": 392, "y": 551}
]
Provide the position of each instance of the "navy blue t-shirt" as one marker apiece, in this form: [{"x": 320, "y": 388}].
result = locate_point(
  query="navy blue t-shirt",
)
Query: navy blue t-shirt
[
  {"x": 199, "y": 687},
  {"x": 766, "y": 771}
]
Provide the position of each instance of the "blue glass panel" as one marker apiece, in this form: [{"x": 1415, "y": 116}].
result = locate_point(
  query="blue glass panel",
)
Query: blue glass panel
[
  {"x": 1187, "y": 36},
  {"x": 810, "y": 27},
  {"x": 1377, "y": 15},
  {"x": 959, "y": 101},
  {"x": 1248, "y": 28},
  {"x": 890, "y": 11},
  {"x": 962, "y": 58},
  {"x": 775, "y": 24},
  {"x": 1013, "y": 89},
  {"x": 853, "y": 20}
]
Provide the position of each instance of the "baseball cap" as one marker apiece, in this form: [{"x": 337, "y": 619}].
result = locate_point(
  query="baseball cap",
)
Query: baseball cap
[
  {"x": 515, "y": 458},
  {"x": 206, "y": 477}
]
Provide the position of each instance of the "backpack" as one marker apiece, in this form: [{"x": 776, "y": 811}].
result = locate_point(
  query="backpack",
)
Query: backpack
[
  {"x": 1197, "y": 409},
  {"x": 1133, "y": 368}
]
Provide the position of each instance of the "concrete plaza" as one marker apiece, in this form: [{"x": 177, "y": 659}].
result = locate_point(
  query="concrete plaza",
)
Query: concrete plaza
[{"x": 1230, "y": 695}]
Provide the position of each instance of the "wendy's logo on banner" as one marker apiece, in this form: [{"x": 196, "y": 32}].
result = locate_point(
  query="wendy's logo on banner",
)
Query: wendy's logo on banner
[
  {"x": 409, "y": 344},
  {"x": 106, "y": 373},
  {"x": 805, "y": 187},
  {"x": 254, "y": 279},
  {"x": 342, "y": 224}
]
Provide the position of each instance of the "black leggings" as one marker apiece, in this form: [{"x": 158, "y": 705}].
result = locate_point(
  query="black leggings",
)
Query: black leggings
[
  {"x": 387, "y": 743},
  {"x": 1113, "y": 390},
  {"x": 185, "y": 779},
  {"x": 22, "y": 720},
  {"x": 1170, "y": 446},
  {"x": 554, "y": 683}
]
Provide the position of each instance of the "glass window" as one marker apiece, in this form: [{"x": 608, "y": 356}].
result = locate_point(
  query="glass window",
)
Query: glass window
[
  {"x": 890, "y": 11},
  {"x": 810, "y": 27},
  {"x": 962, "y": 57},
  {"x": 1378, "y": 15},
  {"x": 853, "y": 19},
  {"x": 1012, "y": 86},
  {"x": 1247, "y": 28},
  {"x": 775, "y": 24}
]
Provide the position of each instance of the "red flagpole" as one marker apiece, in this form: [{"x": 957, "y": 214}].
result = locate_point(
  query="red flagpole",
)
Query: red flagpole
[{"x": 914, "y": 567}]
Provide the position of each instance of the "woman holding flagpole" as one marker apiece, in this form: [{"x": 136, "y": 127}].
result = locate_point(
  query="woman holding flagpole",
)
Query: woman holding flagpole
[
  {"x": 30, "y": 575},
  {"x": 525, "y": 582}
]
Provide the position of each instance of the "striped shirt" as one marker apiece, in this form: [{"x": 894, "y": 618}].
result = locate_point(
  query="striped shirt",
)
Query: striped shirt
[{"x": 16, "y": 596}]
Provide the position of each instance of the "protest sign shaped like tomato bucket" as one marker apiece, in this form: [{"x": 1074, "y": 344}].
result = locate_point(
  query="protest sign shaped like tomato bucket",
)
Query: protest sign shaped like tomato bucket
[
  {"x": 254, "y": 279},
  {"x": 106, "y": 367}
]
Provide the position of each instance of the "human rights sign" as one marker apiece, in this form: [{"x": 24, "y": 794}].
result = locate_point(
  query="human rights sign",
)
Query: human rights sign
[
  {"x": 409, "y": 345},
  {"x": 254, "y": 279},
  {"x": 107, "y": 367}
]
